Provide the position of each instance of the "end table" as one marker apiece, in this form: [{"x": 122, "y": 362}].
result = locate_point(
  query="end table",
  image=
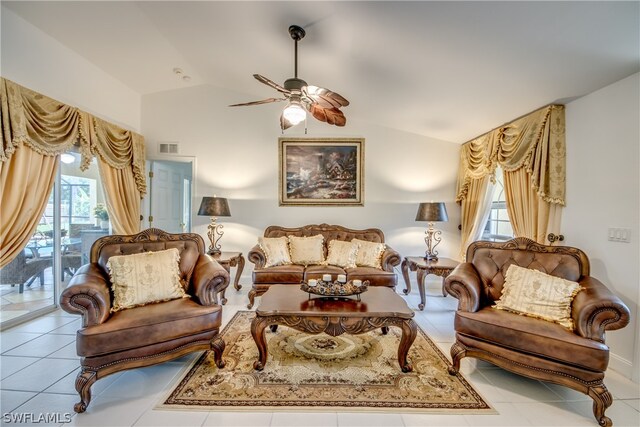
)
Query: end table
[
  {"x": 228, "y": 260},
  {"x": 440, "y": 267}
]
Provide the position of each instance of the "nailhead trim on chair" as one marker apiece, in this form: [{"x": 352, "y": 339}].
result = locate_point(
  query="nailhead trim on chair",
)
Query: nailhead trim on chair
[
  {"x": 83, "y": 310},
  {"x": 191, "y": 344},
  {"x": 533, "y": 368}
]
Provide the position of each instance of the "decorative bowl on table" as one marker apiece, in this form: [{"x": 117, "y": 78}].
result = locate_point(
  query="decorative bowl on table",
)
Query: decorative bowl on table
[{"x": 335, "y": 289}]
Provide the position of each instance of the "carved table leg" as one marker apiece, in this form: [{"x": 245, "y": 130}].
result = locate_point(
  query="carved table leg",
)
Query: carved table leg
[
  {"x": 257, "y": 331},
  {"x": 223, "y": 298},
  {"x": 236, "y": 282},
  {"x": 421, "y": 276},
  {"x": 252, "y": 298},
  {"x": 444, "y": 291},
  {"x": 409, "y": 332},
  {"x": 405, "y": 274},
  {"x": 84, "y": 381},
  {"x": 217, "y": 346}
]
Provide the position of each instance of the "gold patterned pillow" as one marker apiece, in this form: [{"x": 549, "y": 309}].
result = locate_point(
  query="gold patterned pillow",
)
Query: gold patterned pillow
[
  {"x": 307, "y": 250},
  {"x": 276, "y": 250},
  {"x": 536, "y": 294},
  {"x": 369, "y": 253},
  {"x": 342, "y": 254},
  {"x": 145, "y": 278}
]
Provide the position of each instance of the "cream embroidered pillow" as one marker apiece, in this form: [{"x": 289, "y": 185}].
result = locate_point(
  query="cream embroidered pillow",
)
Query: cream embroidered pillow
[
  {"x": 276, "y": 250},
  {"x": 145, "y": 278},
  {"x": 369, "y": 253},
  {"x": 536, "y": 294},
  {"x": 342, "y": 254},
  {"x": 307, "y": 250}
]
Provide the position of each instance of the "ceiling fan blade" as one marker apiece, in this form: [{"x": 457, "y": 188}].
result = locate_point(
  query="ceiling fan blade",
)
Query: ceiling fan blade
[
  {"x": 264, "y": 101},
  {"x": 271, "y": 83},
  {"x": 325, "y": 97},
  {"x": 332, "y": 116},
  {"x": 284, "y": 123}
]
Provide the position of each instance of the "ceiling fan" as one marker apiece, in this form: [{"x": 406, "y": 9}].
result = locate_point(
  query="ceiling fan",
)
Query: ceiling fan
[{"x": 322, "y": 103}]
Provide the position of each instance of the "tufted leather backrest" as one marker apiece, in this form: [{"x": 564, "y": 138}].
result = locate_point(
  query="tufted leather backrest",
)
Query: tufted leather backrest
[
  {"x": 330, "y": 232},
  {"x": 190, "y": 246},
  {"x": 492, "y": 260}
]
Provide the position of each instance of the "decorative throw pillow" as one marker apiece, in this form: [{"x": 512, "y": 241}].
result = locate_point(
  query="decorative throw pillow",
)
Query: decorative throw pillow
[
  {"x": 145, "y": 278},
  {"x": 536, "y": 294},
  {"x": 369, "y": 253},
  {"x": 307, "y": 250},
  {"x": 276, "y": 249},
  {"x": 342, "y": 254}
]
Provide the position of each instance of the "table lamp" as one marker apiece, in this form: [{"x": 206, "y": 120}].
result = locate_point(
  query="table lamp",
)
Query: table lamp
[
  {"x": 214, "y": 207},
  {"x": 432, "y": 212}
]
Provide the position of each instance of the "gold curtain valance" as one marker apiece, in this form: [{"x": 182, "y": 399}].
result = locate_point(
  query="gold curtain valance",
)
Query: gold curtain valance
[
  {"x": 50, "y": 127},
  {"x": 535, "y": 142}
]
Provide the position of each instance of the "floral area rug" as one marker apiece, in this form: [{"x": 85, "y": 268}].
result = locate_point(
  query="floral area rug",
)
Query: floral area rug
[{"x": 314, "y": 372}]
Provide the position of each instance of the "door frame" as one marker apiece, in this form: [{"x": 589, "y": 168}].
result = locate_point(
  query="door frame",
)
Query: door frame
[{"x": 145, "y": 203}]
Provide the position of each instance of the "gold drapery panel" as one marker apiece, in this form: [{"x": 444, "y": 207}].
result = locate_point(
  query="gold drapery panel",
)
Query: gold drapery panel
[
  {"x": 35, "y": 130},
  {"x": 122, "y": 197},
  {"x": 50, "y": 127},
  {"x": 531, "y": 153},
  {"x": 535, "y": 142},
  {"x": 25, "y": 183},
  {"x": 475, "y": 211}
]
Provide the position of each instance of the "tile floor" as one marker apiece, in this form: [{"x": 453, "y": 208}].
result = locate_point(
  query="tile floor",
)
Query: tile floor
[{"x": 38, "y": 366}]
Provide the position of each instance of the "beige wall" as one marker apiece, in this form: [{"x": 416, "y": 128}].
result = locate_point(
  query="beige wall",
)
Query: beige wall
[
  {"x": 237, "y": 158},
  {"x": 603, "y": 159},
  {"x": 31, "y": 58}
]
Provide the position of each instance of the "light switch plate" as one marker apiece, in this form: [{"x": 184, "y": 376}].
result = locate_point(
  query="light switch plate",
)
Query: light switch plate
[{"x": 618, "y": 234}]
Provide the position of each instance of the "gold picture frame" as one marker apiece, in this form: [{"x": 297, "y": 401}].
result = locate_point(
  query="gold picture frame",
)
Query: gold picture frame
[{"x": 321, "y": 171}]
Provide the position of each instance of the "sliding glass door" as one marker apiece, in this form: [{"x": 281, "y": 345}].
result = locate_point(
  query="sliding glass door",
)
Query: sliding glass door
[{"x": 75, "y": 216}]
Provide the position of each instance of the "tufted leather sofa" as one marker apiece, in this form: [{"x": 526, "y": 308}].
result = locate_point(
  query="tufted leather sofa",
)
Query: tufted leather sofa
[
  {"x": 142, "y": 336},
  {"x": 296, "y": 274},
  {"x": 531, "y": 347}
]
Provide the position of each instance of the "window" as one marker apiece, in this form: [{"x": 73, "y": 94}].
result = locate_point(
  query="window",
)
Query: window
[{"x": 498, "y": 228}]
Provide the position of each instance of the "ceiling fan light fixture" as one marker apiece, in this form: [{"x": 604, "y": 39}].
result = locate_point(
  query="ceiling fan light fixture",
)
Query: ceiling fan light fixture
[{"x": 294, "y": 112}]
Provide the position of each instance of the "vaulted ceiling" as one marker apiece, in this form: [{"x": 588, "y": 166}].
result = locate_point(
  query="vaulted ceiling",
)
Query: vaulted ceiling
[{"x": 447, "y": 70}]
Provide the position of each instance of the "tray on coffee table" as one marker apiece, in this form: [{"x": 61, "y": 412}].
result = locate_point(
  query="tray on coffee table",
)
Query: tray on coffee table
[{"x": 335, "y": 289}]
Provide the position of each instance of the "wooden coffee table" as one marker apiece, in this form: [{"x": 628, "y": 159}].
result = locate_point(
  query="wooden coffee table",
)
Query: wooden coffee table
[{"x": 379, "y": 307}]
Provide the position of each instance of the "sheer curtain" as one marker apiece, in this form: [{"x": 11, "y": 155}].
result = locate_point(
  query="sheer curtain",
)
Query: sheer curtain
[{"x": 35, "y": 130}]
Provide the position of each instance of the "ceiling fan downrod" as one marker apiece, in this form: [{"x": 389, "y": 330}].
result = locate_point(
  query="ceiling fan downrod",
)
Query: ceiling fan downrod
[
  {"x": 297, "y": 33},
  {"x": 295, "y": 84}
]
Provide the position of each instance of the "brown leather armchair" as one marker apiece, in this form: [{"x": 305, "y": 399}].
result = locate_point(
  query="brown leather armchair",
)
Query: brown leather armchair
[
  {"x": 531, "y": 347},
  {"x": 154, "y": 333}
]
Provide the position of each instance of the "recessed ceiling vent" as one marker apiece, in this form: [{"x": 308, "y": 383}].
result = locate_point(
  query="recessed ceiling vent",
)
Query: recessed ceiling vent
[{"x": 168, "y": 148}]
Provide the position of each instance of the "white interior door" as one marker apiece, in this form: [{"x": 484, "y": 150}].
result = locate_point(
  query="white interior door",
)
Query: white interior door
[{"x": 170, "y": 196}]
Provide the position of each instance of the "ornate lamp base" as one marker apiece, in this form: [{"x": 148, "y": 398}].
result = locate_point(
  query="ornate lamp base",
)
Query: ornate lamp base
[
  {"x": 214, "y": 233},
  {"x": 432, "y": 235}
]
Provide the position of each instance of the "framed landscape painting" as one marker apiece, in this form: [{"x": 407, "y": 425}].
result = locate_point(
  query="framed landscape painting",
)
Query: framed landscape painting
[{"x": 321, "y": 171}]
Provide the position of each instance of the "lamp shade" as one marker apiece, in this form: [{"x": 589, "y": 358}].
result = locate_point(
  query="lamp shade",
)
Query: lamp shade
[
  {"x": 432, "y": 212},
  {"x": 214, "y": 206}
]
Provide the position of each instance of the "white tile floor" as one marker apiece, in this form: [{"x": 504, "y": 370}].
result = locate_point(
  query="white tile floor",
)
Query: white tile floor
[{"x": 38, "y": 366}]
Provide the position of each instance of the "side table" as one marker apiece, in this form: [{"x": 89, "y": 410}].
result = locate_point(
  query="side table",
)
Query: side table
[
  {"x": 228, "y": 260},
  {"x": 440, "y": 267}
]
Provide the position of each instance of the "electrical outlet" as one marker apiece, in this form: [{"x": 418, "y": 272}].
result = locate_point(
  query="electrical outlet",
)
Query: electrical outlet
[{"x": 617, "y": 234}]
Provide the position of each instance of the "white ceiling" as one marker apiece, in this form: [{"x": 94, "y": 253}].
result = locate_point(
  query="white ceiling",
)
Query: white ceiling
[{"x": 446, "y": 70}]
